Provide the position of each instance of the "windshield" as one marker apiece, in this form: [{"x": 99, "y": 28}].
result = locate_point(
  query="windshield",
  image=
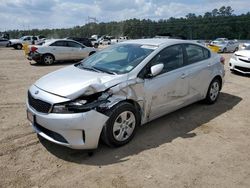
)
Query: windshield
[
  {"x": 221, "y": 43},
  {"x": 22, "y": 37},
  {"x": 117, "y": 59}
]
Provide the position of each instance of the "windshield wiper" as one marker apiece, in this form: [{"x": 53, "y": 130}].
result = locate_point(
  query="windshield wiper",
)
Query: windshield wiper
[
  {"x": 104, "y": 70},
  {"x": 89, "y": 68}
]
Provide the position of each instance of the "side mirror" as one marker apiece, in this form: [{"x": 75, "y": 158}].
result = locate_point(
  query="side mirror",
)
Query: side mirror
[{"x": 156, "y": 69}]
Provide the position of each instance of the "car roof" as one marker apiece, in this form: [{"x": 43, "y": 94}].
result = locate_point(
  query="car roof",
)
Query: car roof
[
  {"x": 50, "y": 41},
  {"x": 157, "y": 41}
]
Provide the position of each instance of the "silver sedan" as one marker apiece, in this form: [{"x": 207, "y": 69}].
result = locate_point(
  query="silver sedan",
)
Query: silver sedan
[{"x": 109, "y": 94}]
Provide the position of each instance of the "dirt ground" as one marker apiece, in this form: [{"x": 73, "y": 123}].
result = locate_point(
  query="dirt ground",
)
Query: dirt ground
[{"x": 198, "y": 146}]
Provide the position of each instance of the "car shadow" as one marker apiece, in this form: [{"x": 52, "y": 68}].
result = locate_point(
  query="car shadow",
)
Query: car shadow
[{"x": 160, "y": 131}]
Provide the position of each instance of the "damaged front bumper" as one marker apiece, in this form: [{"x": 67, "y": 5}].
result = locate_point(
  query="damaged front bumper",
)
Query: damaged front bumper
[{"x": 74, "y": 130}]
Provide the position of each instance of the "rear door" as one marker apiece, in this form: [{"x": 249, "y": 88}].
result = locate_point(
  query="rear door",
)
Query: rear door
[
  {"x": 76, "y": 50},
  {"x": 60, "y": 50},
  {"x": 199, "y": 70}
]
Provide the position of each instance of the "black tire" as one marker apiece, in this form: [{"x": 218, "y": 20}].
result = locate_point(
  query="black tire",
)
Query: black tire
[
  {"x": 224, "y": 50},
  {"x": 48, "y": 59},
  {"x": 91, "y": 53},
  {"x": 236, "y": 49},
  {"x": 109, "y": 136},
  {"x": 18, "y": 46},
  {"x": 213, "y": 91}
]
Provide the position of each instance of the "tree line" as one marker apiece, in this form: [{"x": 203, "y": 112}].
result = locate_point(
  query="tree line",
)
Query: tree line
[{"x": 217, "y": 23}]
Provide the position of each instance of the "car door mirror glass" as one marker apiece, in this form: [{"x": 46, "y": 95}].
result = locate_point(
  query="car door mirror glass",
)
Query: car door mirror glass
[{"x": 156, "y": 69}]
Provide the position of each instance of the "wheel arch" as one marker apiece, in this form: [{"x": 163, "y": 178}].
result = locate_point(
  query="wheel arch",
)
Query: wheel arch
[
  {"x": 219, "y": 78},
  {"x": 136, "y": 106},
  {"x": 91, "y": 53}
]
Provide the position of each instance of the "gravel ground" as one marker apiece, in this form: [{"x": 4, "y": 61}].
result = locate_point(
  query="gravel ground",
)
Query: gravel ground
[{"x": 198, "y": 146}]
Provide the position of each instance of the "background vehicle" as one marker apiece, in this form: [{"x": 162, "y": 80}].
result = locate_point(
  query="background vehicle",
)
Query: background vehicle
[
  {"x": 226, "y": 46},
  {"x": 59, "y": 50},
  {"x": 84, "y": 41},
  {"x": 4, "y": 42},
  {"x": 18, "y": 43},
  {"x": 244, "y": 45},
  {"x": 94, "y": 42},
  {"x": 219, "y": 40},
  {"x": 120, "y": 87},
  {"x": 240, "y": 61},
  {"x": 105, "y": 42}
]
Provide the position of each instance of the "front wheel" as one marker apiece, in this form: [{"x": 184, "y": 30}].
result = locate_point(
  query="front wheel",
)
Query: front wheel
[
  {"x": 121, "y": 126},
  {"x": 213, "y": 91},
  {"x": 19, "y": 46}
]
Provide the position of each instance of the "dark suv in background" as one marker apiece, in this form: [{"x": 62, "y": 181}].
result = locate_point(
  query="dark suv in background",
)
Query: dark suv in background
[{"x": 84, "y": 41}]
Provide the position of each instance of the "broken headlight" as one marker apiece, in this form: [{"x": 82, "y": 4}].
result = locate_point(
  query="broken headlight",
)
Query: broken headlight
[{"x": 82, "y": 104}]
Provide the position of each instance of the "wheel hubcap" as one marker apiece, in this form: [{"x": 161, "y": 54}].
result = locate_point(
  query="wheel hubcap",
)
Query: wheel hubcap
[
  {"x": 124, "y": 126},
  {"x": 48, "y": 60},
  {"x": 214, "y": 91}
]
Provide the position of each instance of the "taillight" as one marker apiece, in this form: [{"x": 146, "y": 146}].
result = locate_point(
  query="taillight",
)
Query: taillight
[
  {"x": 33, "y": 49},
  {"x": 222, "y": 60}
]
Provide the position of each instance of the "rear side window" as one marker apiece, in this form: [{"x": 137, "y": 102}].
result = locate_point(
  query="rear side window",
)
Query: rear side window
[
  {"x": 74, "y": 45},
  {"x": 27, "y": 38},
  {"x": 59, "y": 43},
  {"x": 196, "y": 53}
]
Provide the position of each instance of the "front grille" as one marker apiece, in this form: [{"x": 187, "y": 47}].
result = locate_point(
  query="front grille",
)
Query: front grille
[
  {"x": 38, "y": 105},
  {"x": 51, "y": 134},
  {"x": 243, "y": 69},
  {"x": 245, "y": 60}
]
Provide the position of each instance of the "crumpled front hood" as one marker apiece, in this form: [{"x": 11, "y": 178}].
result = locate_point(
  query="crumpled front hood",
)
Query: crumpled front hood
[
  {"x": 245, "y": 53},
  {"x": 72, "y": 82}
]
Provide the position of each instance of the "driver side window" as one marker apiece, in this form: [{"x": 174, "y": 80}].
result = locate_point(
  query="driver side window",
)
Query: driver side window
[{"x": 171, "y": 57}]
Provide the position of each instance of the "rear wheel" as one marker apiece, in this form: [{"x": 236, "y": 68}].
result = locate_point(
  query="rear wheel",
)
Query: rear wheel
[
  {"x": 48, "y": 59},
  {"x": 121, "y": 126},
  {"x": 224, "y": 50},
  {"x": 236, "y": 49},
  {"x": 213, "y": 91}
]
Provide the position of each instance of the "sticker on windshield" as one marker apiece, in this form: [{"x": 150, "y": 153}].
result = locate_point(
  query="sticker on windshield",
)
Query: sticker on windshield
[
  {"x": 152, "y": 47},
  {"x": 129, "y": 68}
]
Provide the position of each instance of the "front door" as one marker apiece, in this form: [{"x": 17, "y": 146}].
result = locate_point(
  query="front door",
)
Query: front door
[{"x": 169, "y": 90}]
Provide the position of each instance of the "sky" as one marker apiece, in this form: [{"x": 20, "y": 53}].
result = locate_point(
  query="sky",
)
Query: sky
[{"x": 40, "y": 14}]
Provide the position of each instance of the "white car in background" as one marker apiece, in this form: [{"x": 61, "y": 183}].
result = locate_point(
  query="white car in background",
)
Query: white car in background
[
  {"x": 4, "y": 42},
  {"x": 59, "y": 50},
  {"x": 18, "y": 43},
  {"x": 105, "y": 42},
  {"x": 244, "y": 45},
  {"x": 227, "y": 46},
  {"x": 240, "y": 61},
  {"x": 218, "y": 40}
]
